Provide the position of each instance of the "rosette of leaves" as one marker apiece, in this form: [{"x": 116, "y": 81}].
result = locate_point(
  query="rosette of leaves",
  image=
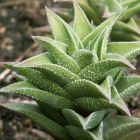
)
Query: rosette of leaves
[
  {"x": 127, "y": 28},
  {"x": 78, "y": 84}
]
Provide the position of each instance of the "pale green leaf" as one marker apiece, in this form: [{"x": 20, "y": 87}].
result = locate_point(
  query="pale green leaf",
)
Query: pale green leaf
[
  {"x": 60, "y": 29},
  {"x": 59, "y": 56},
  {"x": 109, "y": 22},
  {"x": 42, "y": 58},
  {"x": 81, "y": 26},
  {"x": 111, "y": 56},
  {"x": 84, "y": 57},
  {"x": 127, "y": 49},
  {"x": 118, "y": 101},
  {"x": 114, "y": 5}
]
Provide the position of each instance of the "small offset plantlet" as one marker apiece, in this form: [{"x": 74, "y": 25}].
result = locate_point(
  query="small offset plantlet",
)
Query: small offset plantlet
[
  {"x": 128, "y": 26},
  {"x": 79, "y": 84}
]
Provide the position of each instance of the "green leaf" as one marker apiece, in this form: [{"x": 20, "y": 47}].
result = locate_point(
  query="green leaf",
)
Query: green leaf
[
  {"x": 127, "y": 49},
  {"x": 90, "y": 11},
  {"x": 42, "y": 58},
  {"x": 52, "y": 113},
  {"x": 27, "y": 89},
  {"x": 33, "y": 112},
  {"x": 88, "y": 123},
  {"x": 81, "y": 20},
  {"x": 39, "y": 79},
  {"x": 131, "y": 11},
  {"x": 98, "y": 71},
  {"x": 111, "y": 56},
  {"x": 128, "y": 86},
  {"x": 114, "y": 5},
  {"x": 57, "y": 73},
  {"x": 121, "y": 128},
  {"x": 73, "y": 118},
  {"x": 94, "y": 119},
  {"x": 80, "y": 134},
  {"x": 84, "y": 57},
  {"x": 101, "y": 43},
  {"x": 60, "y": 57},
  {"x": 85, "y": 88},
  {"x": 109, "y": 22},
  {"x": 118, "y": 101},
  {"x": 126, "y": 28},
  {"x": 90, "y": 104},
  {"x": 61, "y": 30}
]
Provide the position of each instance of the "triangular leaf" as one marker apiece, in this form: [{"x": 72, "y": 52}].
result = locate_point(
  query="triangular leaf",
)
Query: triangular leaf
[
  {"x": 81, "y": 21},
  {"x": 98, "y": 71},
  {"x": 26, "y": 89},
  {"x": 39, "y": 79},
  {"x": 127, "y": 49},
  {"x": 59, "y": 56},
  {"x": 110, "y": 21},
  {"x": 85, "y": 88},
  {"x": 57, "y": 73},
  {"x": 85, "y": 57},
  {"x": 121, "y": 128},
  {"x": 128, "y": 86}
]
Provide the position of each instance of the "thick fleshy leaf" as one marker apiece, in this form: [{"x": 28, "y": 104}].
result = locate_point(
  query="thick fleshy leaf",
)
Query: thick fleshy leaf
[
  {"x": 39, "y": 79},
  {"x": 27, "y": 89},
  {"x": 88, "y": 123},
  {"x": 37, "y": 60},
  {"x": 131, "y": 11},
  {"x": 59, "y": 56},
  {"x": 121, "y": 128},
  {"x": 33, "y": 112},
  {"x": 85, "y": 88},
  {"x": 73, "y": 118},
  {"x": 101, "y": 27},
  {"x": 106, "y": 85},
  {"x": 114, "y": 5},
  {"x": 127, "y": 49},
  {"x": 85, "y": 57},
  {"x": 94, "y": 119},
  {"x": 61, "y": 30},
  {"x": 81, "y": 21},
  {"x": 120, "y": 35},
  {"x": 128, "y": 86},
  {"x": 90, "y": 104},
  {"x": 57, "y": 73},
  {"x": 126, "y": 28},
  {"x": 111, "y": 56},
  {"x": 98, "y": 71},
  {"x": 118, "y": 101},
  {"x": 80, "y": 134},
  {"x": 52, "y": 113}
]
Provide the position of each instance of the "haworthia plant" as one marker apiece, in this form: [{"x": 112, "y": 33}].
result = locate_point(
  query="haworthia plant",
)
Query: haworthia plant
[
  {"x": 78, "y": 84},
  {"x": 98, "y": 10}
]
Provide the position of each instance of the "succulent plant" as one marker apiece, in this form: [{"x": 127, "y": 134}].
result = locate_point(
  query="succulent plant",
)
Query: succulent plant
[
  {"x": 79, "y": 84},
  {"x": 127, "y": 28}
]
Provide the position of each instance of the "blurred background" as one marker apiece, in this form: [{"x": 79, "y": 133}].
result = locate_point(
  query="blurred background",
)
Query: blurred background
[{"x": 19, "y": 20}]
